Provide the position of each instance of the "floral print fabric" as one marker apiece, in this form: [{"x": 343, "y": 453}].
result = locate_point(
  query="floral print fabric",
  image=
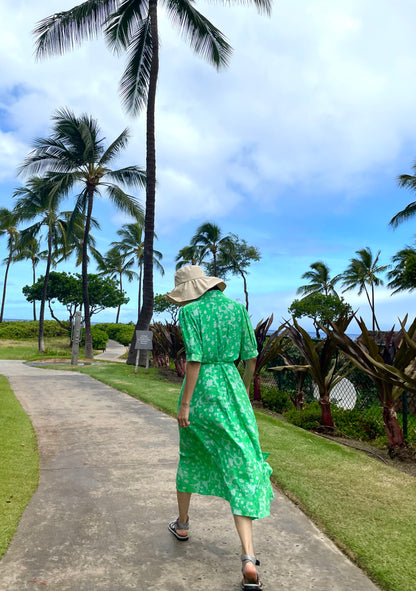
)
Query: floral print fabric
[{"x": 219, "y": 452}]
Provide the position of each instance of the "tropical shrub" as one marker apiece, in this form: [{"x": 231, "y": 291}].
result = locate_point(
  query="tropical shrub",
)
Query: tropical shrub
[
  {"x": 276, "y": 400},
  {"x": 99, "y": 338},
  {"x": 23, "y": 329},
  {"x": 122, "y": 333}
]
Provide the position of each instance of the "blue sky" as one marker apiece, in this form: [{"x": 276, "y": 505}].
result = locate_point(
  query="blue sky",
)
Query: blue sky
[{"x": 295, "y": 147}]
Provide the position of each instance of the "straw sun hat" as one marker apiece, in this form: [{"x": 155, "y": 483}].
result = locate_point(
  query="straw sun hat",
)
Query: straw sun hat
[{"x": 190, "y": 283}]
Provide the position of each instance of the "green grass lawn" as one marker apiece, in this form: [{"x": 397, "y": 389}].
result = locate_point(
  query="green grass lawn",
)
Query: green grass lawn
[
  {"x": 366, "y": 507},
  {"x": 27, "y": 350},
  {"x": 19, "y": 463}
]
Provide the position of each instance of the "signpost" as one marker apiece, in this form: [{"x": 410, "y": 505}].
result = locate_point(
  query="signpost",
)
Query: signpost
[
  {"x": 144, "y": 342},
  {"x": 76, "y": 338}
]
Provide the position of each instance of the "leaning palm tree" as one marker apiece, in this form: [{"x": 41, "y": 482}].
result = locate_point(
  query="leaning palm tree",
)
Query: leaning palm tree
[
  {"x": 30, "y": 250},
  {"x": 132, "y": 27},
  {"x": 188, "y": 255},
  {"x": 407, "y": 181},
  {"x": 209, "y": 238},
  {"x": 74, "y": 157},
  {"x": 319, "y": 280},
  {"x": 7, "y": 228},
  {"x": 38, "y": 201},
  {"x": 362, "y": 274},
  {"x": 115, "y": 265}
]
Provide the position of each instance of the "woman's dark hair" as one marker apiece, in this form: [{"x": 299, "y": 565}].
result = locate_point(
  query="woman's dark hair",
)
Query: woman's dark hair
[{"x": 214, "y": 288}]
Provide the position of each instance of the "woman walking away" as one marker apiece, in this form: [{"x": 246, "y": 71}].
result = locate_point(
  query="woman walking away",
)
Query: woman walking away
[{"x": 219, "y": 450}]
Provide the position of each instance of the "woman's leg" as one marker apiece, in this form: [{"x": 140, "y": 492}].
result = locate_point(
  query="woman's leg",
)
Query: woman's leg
[
  {"x": 244, "y": 527},
  {"x": 184, "y": 500}
]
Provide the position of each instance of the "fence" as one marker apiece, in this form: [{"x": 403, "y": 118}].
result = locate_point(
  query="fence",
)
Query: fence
[{"x": 356, "y": 393}]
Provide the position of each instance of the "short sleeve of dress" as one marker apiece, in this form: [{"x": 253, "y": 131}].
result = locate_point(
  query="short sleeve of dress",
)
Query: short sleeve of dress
[
  {"x": 248, "y": 348},
  {"x": 191, "y": 335}
]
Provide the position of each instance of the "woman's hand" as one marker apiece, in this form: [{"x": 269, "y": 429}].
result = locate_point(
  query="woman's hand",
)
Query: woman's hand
[{"x": 183, "y": 416}]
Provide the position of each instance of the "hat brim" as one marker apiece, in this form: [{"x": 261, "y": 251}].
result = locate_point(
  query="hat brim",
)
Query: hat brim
[{"x": 193, "y": 289}]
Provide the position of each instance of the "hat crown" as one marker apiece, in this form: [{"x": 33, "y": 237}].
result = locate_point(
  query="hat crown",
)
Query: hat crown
[{"x": 188, "y": 273}]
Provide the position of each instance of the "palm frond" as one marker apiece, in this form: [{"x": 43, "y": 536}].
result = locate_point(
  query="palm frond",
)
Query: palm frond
[
  {"x": 131, "y": 176},
  {"x": 204, "y": 38},
  {"x": 135, "y": 80},
  {"x": 65, "y": 30},
  {"x": 114, "y": 149},
  {"x": 124, "y": 202},
  {"x": 121, "y": 24}
]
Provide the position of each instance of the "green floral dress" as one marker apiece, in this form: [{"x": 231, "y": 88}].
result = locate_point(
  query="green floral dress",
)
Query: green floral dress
[{"x": 219, "y": 452}]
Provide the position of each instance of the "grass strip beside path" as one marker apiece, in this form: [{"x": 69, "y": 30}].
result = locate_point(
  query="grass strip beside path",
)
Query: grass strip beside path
[
  {"x": 19, "y": 463},
  {"x": 366, "y": 507}
]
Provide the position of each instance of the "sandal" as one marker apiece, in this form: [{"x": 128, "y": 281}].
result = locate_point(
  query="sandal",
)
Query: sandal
[
  {"x": 250, "y": 586},
  {"x": 174, "y": 526}
]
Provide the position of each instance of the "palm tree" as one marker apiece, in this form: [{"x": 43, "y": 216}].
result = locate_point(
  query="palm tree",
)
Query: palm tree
[
  {"x": 115, "y": 265},
  {"x": 319, "y": 280},
  {"x": 209, "y": 238},
  {"x": 403, "y": 275},
  {"x": 407, "y": 181},
  {"x": 30, "y": 250},
  {"x": 73, "y": 241},
  {"x": 38, "y": 200},
  {"x": 7, "y": 228},
  {"x": 234, "y": 256},
  {"x": 132, "y": 244},
  {"x": 74, "y": 155},
  {"x": 188, "y": 255},
  {"x": 132, "y": 27},
  {"x": 362, "y": 272}
]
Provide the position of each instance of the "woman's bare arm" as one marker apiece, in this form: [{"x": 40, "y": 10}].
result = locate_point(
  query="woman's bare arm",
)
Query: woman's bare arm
[
  {"x": 192, "y": 373},
  {"x": 249, "y": 372}
]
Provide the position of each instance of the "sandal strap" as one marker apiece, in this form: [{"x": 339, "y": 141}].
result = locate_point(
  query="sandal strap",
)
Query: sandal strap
[
  {"x": 247, "y": 558},
  {"x": 180, "y": 525}
]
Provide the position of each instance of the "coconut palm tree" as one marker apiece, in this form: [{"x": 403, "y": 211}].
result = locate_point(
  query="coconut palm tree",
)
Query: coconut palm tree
[
  {"x": 209, "y": 238},
  {"x": 39, "y": 201},
  {"x": 407, "y": 181},
  {"x": 74, "y": 157},
  {"x": 319, "y": 280},
  {"x": 132, "y": 27},
  {"x": 188, "y": 255},
  {"x": 362, "y": 274},
  {"x": 403, "y": 275},
  {"x": 30, "y": 250},
  {"x": 132, "y": 244},
  {"x": 73, "y": 241},
  {"x": 7, "y": 228},
  {"x": 115, "y": 264}
]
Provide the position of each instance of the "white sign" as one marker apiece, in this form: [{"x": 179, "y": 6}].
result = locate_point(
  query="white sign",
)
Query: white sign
[{"x": 144, "y": 340}]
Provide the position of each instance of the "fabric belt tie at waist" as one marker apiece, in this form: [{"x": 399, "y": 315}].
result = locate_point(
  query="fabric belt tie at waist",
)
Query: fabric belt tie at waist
[{"x": 217, "y": 362}]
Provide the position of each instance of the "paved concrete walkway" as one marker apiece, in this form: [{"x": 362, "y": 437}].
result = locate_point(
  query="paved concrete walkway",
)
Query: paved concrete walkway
[
  {"x": 98, "y": 521},
  {"x": 113, "y": 352}
]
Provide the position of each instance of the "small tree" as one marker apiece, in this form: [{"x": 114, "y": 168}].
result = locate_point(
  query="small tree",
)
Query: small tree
[
  {"x": 163, "y": 305},
  {"x": 320, "y": 308},
  {"x": 67, "y": 289}
]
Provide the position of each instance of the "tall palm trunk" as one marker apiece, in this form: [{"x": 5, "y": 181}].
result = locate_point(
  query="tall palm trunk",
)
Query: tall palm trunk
[
  {"x": 41, "y": 342},
  {"x": 121, "y": 291},
  {"x": 89, "y": 353},
  {"x": 146, "y": 312},
  {"x": 34, "y": 281},
  {"x": 9, "y": 260}
]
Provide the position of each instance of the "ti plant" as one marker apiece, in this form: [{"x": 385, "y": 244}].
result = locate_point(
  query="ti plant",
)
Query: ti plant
[
  {"x": 287, "y": 353},
  {"x": 392, "y": 367},
  {"x": 168, "y": 344},
  {"x": 321, "y": 360},
  {"x": 268, "y": 348}
]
